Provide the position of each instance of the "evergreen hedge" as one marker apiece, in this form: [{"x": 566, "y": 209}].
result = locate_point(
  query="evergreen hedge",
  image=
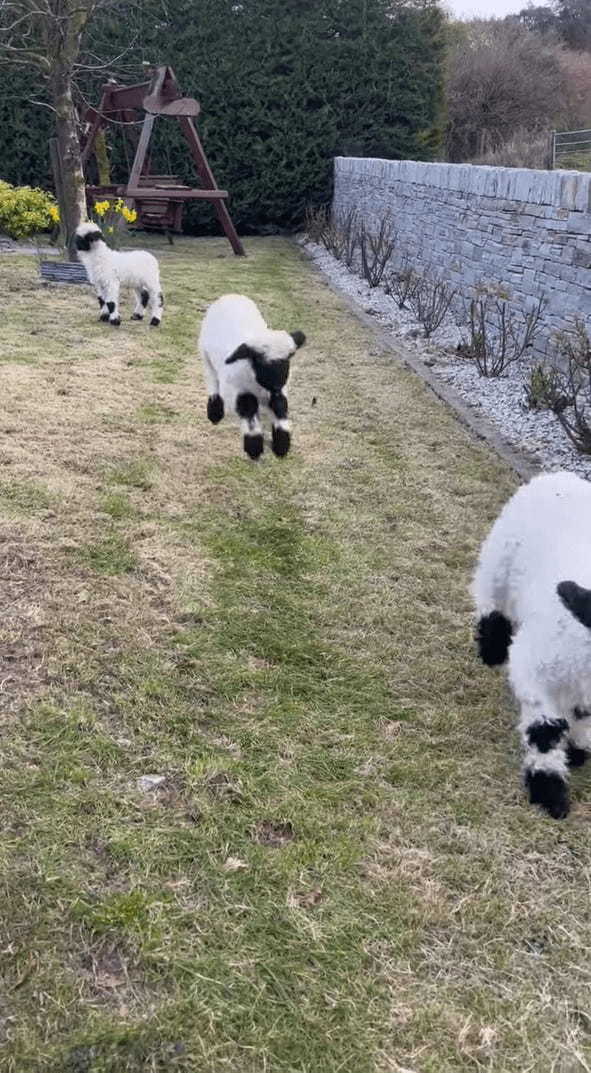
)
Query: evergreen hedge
[{"x": 285, "y": 85}]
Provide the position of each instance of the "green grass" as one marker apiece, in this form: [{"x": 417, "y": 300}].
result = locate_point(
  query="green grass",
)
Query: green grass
[
  {"x": 112, "y": 555},
  {"x": 338, "y": 872},
  {"x": 25, "y": 496}
]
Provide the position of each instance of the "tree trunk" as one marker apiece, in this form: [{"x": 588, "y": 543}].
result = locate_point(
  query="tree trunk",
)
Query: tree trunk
[{"x": 73, "y": 193}]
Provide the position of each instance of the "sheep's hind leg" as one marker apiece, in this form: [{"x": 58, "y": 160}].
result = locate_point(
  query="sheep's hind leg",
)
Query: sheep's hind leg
[
  {"x": 247, "y": 408},
  {"x": 545, "y": 740},
  {"x": 142, "y": 298},
  {"x": 281, "y": 436},
  {"x": 579, "y": 738}
]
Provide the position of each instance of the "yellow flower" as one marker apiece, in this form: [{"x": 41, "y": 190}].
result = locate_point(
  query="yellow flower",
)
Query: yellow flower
[
  {"x": 110, "y": 230},
  {"x": 118, "y": 206},
  {"x": 101, "y": 207},
  {"x": 129, "y": 214},
  {"x": 54, "y": 212}
]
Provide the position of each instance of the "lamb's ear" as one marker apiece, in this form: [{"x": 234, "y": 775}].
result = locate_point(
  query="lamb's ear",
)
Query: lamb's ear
[
  {"x": 577, "y": 600},
  {"x": 242, "y": 353},
  {"x": 299, "y": 338}
]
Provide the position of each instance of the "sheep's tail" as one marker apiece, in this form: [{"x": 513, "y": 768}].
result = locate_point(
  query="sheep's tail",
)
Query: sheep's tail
[
  {"x": 577, "y": 600},
  {"x": 493, "y": 637}
]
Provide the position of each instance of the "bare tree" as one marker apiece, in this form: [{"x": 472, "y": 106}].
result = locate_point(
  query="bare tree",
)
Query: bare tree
[
  {"x": 502, "y": 78},
  {"x": 47, "y": 35}
]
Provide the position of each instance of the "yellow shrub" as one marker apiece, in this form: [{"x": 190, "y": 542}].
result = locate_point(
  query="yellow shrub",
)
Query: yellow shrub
[{"x": 25, "y": 210}]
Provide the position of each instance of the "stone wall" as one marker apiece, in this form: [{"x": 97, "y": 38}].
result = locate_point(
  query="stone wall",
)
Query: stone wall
[{"x": 529, "y": 231}]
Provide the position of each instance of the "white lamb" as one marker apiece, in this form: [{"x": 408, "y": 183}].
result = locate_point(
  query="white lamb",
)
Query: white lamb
[
  {"x": 246, "y": 367},
  {"x": 532, "y": 591},
  {"x": 108, "y": 269}
]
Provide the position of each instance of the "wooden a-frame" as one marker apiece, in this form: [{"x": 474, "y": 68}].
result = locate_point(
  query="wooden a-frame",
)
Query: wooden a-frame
[{"x": 157, "y": 198}]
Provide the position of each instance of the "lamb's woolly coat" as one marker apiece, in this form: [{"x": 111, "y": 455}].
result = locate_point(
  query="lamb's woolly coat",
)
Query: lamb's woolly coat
[
  {"x": 532, "y": 584},
  {"x": 108, "y": 269},
  {"x": 246, "y": 366}
]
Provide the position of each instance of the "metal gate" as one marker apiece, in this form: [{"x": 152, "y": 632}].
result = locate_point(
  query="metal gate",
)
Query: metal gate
[{"x": 572, "y": 149}]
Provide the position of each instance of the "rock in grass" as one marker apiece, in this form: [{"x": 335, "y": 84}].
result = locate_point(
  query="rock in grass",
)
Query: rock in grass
[{"x": 150, "y": 782}]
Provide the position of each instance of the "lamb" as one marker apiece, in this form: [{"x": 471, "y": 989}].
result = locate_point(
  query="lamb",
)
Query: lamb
[
  {"x": 246, "y": 366},
  {"x": 107, "y": 269},
  {"x": 532, "y": 591}
]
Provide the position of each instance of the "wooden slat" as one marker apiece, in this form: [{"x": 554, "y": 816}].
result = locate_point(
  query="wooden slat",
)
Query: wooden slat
[{"x": 138, "y": 193}]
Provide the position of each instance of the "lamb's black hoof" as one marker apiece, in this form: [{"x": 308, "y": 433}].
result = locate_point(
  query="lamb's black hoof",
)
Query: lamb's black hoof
[
  {"x": 215, "y": 408},
  {"x": 576, "y": 757},
  {"x": 549, "y": 791},
  {"x": 115, "y": 321},
  {"x": 254, "y": 445},
  {"x": 136, "y": 316},
  {"x": 281, "y": 442},
  {"x": 154, "y": 322},
  {"x": 493, "y": 637},
  {"x": 104, "y": 317}
]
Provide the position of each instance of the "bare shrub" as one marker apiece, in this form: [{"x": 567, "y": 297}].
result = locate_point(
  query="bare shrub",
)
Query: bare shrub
[
  {"x": 430, "y": 300},
  {"x": 376, "y": 251},
  {"x": 338, "y": 234},
  {"x": 499, "y": 335},
  {"x": 402, "y": 283},
  {"x": 349, "y": 237},
  {"x": 567, "y": 386},
  {"x": 315, "y": 222}
]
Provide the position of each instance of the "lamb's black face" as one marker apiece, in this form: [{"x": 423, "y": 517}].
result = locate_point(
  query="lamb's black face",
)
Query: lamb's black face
[
  {"x": 84, "y": 242},
  {"x": 272, "y": 375}
]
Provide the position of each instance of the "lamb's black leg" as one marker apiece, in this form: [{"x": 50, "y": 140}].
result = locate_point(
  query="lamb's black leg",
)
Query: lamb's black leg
[
  {"x": 247, "y": 408},
  {"x": 215, "y": 408},
  {"x": 281, "y": 436}
]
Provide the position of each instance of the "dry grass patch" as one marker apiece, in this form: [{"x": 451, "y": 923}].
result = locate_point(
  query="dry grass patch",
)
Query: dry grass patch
[{"x": 338, "y": 871}]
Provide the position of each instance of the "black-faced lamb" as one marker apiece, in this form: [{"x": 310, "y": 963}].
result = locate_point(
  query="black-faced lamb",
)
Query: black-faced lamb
[
  {"x": 532, "y": 591},
  {"x": 246, "y": 366},
  {"x": 108, "y": 270}
]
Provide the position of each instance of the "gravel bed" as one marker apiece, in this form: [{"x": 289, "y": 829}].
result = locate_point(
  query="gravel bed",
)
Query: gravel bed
[{"x": 536, "y": 434}]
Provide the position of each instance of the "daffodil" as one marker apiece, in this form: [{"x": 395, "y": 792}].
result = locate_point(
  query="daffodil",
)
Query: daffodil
[
  {"x": 129, "y": 214},
  {"x": 54, "y": 213},
  {"x": 101, "y": 207}
]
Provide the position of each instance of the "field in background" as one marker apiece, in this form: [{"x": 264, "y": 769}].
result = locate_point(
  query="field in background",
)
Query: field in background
[{"x": 338, "y": 873}]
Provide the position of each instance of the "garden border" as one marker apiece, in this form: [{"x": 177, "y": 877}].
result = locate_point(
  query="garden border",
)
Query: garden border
[{"x": 480, "y": 427}]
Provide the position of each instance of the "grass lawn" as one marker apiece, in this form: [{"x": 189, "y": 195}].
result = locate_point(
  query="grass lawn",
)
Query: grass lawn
[{"x": 339, "y": 873}]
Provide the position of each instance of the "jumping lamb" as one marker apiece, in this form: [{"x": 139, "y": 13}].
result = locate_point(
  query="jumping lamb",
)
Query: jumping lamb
[
  {"x": 108, "y": 269},
  {"x": 532, "y": 591},
  {"x": 246, "y": 367}
]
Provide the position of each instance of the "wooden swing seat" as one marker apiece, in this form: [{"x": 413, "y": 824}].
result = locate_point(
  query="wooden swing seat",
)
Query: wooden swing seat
[{"x": 158, "y": 199}]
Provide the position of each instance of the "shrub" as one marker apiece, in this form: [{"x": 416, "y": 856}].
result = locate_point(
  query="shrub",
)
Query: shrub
[
  {"x": 24, "y": 211},
  {"x": 540, "y": 387},
  {"x": 499, "y": 335},
  {"x": 402, "y": 283},
  {"x": 566, "y": 387},
  {"x": 376, "y": 251},
  {"x": 430, "y": 300},
  {"x": 338, "y": 234}
]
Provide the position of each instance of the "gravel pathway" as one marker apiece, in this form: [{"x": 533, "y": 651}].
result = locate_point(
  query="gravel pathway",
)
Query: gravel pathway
[{"x": 536, "y": 434}]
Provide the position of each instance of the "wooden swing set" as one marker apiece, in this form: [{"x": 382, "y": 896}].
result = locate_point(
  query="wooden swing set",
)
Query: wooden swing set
[{"x": 159, "y": 200}]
